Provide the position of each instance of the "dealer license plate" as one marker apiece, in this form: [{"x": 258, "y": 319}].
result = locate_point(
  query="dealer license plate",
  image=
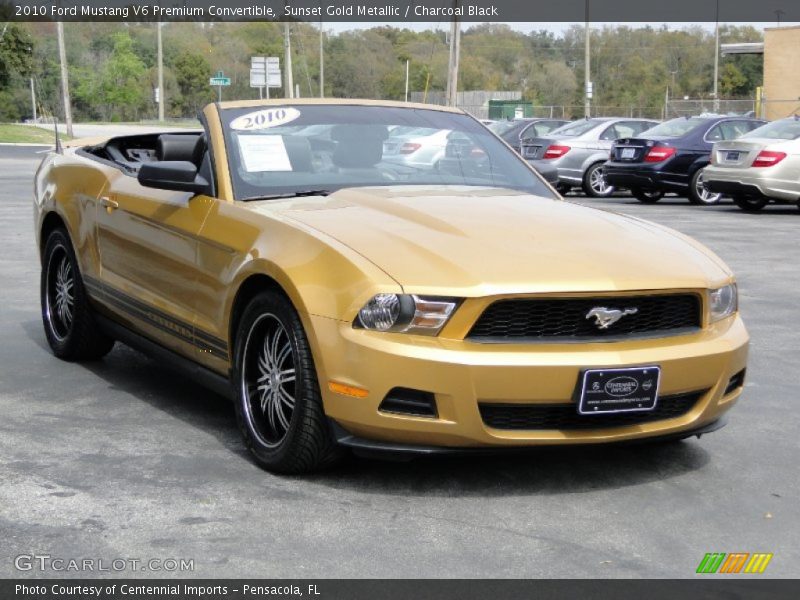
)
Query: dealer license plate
[{"x": 603, "y": 391}]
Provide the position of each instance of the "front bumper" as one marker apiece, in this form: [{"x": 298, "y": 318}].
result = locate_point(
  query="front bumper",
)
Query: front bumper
[
  {"x": 735, "y": 182},
  {"x": 462, "y": 374},
  {"x": 405, "y": 452}
]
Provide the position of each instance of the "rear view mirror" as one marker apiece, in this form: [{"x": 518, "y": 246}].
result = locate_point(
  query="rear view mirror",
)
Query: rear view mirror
[{"x": 177, "y": 175}]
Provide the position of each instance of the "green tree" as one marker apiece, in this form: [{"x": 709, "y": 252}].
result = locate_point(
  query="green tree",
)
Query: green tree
[
  {"x": 732, "y": 81},
  {"x": 192, "y": 72},
  {"x": 122, "y": 80},
  {"x": 16, "y": 53}
]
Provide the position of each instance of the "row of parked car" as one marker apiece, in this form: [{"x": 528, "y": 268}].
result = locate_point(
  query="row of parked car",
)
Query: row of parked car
[{"x": 702, "y": 158}]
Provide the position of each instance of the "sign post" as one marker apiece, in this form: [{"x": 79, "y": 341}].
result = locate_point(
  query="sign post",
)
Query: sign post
[{"x": 220, "y": 81}]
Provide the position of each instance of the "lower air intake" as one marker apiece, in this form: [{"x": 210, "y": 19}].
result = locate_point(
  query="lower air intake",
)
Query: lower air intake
[
  {"x": 566, "y": 416},
  {"x": 405, "y": 401}
]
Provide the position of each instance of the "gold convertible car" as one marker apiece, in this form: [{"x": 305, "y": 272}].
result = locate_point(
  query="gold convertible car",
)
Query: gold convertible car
[{"x": 290, "y": 255}]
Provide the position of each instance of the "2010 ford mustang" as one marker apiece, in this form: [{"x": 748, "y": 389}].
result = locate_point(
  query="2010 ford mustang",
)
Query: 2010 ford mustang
[{"x": 348, "y": 300}]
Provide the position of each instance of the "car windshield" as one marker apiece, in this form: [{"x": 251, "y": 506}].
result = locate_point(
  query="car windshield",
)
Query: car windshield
[
  {"x": 577, "y": 128},
  {"x": 276, "y": 151},
  {"x": 785, "y": 129},
  {"x": 674, "y": 127}
]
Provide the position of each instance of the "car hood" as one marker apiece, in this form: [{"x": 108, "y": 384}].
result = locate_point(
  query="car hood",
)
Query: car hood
[{"x": 469, "y": 241}]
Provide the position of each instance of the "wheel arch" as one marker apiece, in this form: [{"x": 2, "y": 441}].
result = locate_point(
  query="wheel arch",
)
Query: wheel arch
[
  {"x": 593, "y": 159},
  {"x": 249, "y": 288},
  {"x": 51, "y": 221},
  {"x": 700, "y": 163}
]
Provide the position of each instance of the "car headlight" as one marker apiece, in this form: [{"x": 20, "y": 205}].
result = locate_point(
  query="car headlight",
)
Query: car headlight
[
  {"x": 406, "y": 313},
  {"x": 724, "y": 302}
]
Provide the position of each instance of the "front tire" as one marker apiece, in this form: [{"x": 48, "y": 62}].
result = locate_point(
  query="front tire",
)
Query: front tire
[
  {"x": 646, "y": 195},
  {"x": 69, "y": 324},
  {"x": 594, "y": 182},
  {"x": 278, "y": 401},
  {"x": 699, "y": 193}
]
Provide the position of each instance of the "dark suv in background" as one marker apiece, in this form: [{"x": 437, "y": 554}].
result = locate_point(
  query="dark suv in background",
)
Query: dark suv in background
[{"x": 671, "y": 156}]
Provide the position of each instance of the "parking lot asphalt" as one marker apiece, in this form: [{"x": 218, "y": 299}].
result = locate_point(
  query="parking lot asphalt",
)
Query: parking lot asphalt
[{"x": 125, "y": 459}]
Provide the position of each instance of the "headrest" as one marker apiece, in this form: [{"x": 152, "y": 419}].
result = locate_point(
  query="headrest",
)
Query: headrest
[
  {"x": 172, "y": 146},
  {"x": 358, "y": 146},
  {"x": 298, "y": 150},
  {"x": 349, "y": 133}
]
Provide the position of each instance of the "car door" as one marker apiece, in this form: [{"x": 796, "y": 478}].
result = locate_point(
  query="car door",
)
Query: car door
[{"x": 147, "y": 241}]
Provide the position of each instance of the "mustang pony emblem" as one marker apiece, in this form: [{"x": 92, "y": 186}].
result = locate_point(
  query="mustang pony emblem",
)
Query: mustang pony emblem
[{"x": 606, "y": 317}]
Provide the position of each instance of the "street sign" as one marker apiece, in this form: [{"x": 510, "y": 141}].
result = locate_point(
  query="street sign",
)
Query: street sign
[
  {"x": 265, "y": 71},
  {"x": 220, "y": 81},
  {"x": 258, "y": 79}
]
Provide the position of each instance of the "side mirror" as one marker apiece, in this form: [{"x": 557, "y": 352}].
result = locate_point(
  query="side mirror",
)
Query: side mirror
[{"x": 177, "y": 175}]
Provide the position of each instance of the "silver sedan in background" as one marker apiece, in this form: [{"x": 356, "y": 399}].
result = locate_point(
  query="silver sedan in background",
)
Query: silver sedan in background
[
  {"x": 759, "y": 167},
  {"x": 579, "y": 150}
]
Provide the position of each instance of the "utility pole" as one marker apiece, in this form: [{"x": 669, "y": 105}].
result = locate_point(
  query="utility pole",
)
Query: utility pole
[
  {"x": 62, "y": 55},
  {"x": 161, "y": 94},
  {"x": 407, "y": 65},
  {"x": 33, "y": 100},
  {"x": 288, "y": 83},
  {"x": 455, "y": 51},
  {"x": 716, "y": 61},
  {"x": 587, "y": 59},
  {"x": 321, "y": 61}
]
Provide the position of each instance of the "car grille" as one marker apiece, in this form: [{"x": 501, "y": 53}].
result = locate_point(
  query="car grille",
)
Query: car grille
[
  {"x": 521, "y": 319},
  {"x": 566, "y": 416}
]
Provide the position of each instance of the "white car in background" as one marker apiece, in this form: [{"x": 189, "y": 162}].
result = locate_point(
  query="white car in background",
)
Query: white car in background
[
  {"x": 415, "y": 147},
  {"x": 761, "y": 166}
]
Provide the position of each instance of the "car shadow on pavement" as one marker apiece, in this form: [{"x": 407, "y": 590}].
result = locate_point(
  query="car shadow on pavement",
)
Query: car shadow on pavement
[
  {"x": 135, "y": 374},
  {"x": 544, "y": 470}
]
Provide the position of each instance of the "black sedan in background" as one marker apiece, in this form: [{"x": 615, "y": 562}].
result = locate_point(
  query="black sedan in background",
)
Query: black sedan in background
[
  {"x": 515, "y": 131},
  {"x": 671, "y": 156}
]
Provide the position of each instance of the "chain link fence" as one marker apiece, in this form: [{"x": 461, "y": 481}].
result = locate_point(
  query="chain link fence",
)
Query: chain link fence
[
  {"x": 779, "y": 109},
  {"x": 477, "y": 104},
  {"x": 699, "y": 106}
]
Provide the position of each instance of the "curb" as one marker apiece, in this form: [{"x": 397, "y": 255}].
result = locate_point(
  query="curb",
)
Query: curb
[{"x": 22, "y": 144}]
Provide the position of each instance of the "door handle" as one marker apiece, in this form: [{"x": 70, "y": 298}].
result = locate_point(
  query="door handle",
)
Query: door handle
[{"x": 108, "y": 203}]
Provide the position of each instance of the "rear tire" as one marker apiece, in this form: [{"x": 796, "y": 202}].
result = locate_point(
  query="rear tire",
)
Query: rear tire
[
  {"x": 699, "y": 194},
  {"x": 69, "y": 324},
  {"x": 563, "y": 188},
  {"x": 647, "y": 195},
  {"x": 594, "y": 182},
  {"x": 278, "y": 401},
  {"x": 749, "y": 203}
]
